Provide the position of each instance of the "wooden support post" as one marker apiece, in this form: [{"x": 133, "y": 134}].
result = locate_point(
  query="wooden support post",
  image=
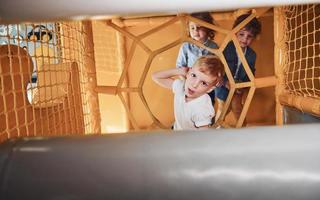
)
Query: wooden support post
[
  {"x": 278, "y": 60},
  {"x": 91, "y": 82}
]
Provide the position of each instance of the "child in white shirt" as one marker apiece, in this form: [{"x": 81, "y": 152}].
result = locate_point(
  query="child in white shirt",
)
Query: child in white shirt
[{"x": 192, "y": 105}]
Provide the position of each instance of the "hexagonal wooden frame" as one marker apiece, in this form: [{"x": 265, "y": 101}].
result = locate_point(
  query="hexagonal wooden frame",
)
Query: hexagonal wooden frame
[{"x": 254, "y": 83}]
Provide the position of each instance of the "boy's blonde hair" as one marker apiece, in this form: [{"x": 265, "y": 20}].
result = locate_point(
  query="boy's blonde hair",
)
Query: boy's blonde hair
[{"x": 210, "y": 65}]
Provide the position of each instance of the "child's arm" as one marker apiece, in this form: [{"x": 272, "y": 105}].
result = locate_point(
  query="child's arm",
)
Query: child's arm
[{"x": 165, "y": 78}]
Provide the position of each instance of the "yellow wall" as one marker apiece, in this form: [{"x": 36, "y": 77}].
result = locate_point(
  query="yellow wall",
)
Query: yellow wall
[
  {"x": 160, "y": 100},
  {"x": 108, "y": 68},
  {"x": 262, "y": 108}
]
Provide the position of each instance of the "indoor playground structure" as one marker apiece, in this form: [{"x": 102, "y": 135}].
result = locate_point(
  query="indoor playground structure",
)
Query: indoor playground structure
[
  {"x": 84, "y": 77},
  {"x": 84, "y": 69}
]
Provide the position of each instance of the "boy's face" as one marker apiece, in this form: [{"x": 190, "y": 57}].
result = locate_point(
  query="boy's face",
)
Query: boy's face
[
  {"x": 244, "y": 37},
  {"x": 198, "y": 83},
  {"x": 197, "y": 32}
]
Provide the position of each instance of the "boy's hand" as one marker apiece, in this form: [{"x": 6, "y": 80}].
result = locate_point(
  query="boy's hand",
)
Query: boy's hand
[
  {"x": 220, "y": 81},
  {"x": 165, "y": 78},
  {"x": 183, "y": 71}
]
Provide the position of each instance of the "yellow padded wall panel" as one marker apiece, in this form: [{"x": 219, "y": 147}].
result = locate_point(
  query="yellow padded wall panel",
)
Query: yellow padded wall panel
[{"x": 108, "y": 57}]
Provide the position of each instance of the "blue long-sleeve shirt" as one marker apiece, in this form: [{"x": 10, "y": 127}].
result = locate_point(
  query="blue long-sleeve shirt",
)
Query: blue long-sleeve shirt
[{"x": 189, "y": 53}]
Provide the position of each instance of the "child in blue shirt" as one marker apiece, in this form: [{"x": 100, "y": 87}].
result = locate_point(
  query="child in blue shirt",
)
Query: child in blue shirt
[
  {"x": 245, "y": 37},
  {"x": 189, "y": 52}
]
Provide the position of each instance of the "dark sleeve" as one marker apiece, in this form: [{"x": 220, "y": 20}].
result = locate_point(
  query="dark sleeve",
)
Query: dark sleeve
[
  {"x": 229, "y": 55},
  {"x": 252, "y": 62},
  {"x": 251, "y": 59},
  {"x": 227, "y": 52}
]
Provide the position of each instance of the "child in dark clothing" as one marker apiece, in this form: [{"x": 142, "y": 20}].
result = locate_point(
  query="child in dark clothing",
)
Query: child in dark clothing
[{"x": 245, "y": 37}]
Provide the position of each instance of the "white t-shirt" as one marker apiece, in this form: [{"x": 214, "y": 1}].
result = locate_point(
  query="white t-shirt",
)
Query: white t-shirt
[{"x": 195, "y": 113}]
